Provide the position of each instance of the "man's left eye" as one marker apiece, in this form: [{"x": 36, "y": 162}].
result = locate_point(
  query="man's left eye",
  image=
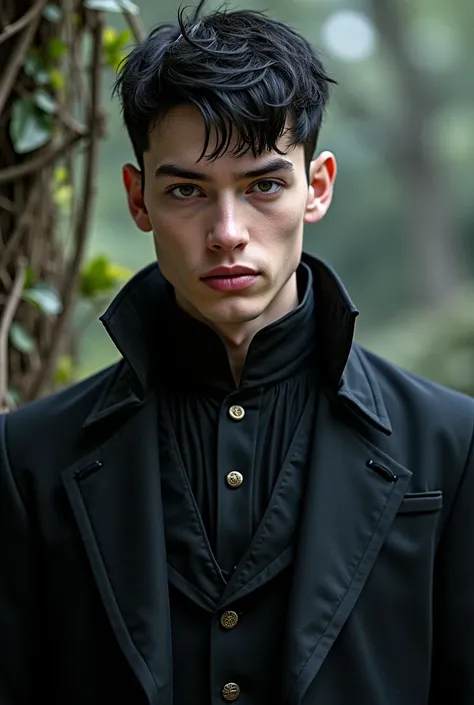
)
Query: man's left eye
[{"x": 267, "y": 187}]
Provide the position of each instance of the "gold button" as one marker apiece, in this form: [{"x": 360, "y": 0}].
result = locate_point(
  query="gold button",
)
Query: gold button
[
  {"x": 229, "y": 619},
  {"x": 236, "y": 412},
  {"x": 234, "y": 479},
  {"x": 230, "y": 692}
]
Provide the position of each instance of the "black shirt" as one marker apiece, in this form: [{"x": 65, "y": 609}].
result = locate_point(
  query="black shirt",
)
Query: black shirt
[{"x": 213, "y": 428}]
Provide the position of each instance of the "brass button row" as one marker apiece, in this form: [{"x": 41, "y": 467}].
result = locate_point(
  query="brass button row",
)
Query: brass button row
[{"x": 230, "y": 619}]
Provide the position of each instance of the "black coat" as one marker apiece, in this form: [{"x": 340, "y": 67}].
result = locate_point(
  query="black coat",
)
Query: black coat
[{"x": 382, "y": 606}]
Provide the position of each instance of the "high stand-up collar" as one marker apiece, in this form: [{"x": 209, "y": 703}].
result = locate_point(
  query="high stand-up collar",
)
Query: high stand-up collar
[
  {"x": 134, "y": 322},
  {"x": 197, "y": 355}
]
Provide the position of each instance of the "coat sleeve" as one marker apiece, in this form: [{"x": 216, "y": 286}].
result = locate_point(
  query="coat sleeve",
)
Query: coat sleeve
[
  {"x": 16, "y": 589},
  {"x": 453, "y": 600}
]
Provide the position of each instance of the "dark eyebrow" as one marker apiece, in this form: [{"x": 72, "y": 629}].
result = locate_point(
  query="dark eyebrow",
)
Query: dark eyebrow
[
  {"x": 180, "y": 173},
  {"x": 276, "y": 164}
]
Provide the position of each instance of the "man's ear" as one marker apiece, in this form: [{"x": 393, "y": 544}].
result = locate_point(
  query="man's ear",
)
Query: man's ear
[
  {"x": 322, "y": 174},
  {"x": 132, "y": 181}
]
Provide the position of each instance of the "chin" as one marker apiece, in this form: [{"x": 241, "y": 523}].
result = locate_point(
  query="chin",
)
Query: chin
[{"x": 231, "y": 313}]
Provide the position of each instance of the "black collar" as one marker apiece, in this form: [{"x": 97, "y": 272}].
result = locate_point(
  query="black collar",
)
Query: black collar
[
  {"x": 195, "y": 354},
  {"x": 131, "y": 322}
]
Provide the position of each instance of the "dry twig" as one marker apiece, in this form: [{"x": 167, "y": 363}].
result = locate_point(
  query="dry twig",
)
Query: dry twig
[
  {"x": 47, "y": 157},
  {"x": 17, "y": 58},
  {"x": 23, "y": 222},
  {"x": 135, "y": 25},
  {"x": 12, "y": 29},
  {"x": 5, "y": 323}
]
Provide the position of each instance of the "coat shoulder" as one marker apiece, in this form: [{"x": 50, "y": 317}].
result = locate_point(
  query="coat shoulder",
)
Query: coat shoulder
[
  {"x": 52, "y": 425},
  {"x": 415, "y": 403}
]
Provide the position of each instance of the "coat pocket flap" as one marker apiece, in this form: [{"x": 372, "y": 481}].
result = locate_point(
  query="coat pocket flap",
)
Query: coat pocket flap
[{"x": 421, "y": 502}]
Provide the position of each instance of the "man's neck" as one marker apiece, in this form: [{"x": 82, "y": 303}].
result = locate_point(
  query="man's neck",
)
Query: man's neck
[{"x": 237, "y": 337}]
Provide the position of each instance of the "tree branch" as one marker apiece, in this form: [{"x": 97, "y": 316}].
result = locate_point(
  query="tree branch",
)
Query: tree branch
[
  {"x": 69, "y": 288},
  {"x": 12, "y": 29},
  {"x": 47, "y": 157},
  {"x": 17, "y": 59},
  {"x": 23, "y": 221},
  {"x": 5, "y": 323},
  {"x": 135, "y": 25}
]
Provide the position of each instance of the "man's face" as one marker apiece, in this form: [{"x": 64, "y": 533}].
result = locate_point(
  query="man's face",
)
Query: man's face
[{"x": 233, "y": 212}]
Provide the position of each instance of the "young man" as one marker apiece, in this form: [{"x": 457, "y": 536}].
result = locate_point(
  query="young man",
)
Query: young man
[{"x": 248, "y": 507}]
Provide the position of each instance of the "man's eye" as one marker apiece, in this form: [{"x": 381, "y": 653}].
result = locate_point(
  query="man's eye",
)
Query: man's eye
[
  {"x": 184, "y": 191},
  {"x": 267, "y": 187}
]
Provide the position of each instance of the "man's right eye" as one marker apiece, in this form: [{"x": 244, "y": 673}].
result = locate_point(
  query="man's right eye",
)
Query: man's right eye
[{"x": 184, "y": 192}]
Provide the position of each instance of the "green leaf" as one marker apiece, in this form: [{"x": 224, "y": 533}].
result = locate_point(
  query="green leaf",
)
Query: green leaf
[
  {"x": 65, "y": 370},
  {"x": 31, "y": 65},
  {"x": 45, "y": 102},
  {"x": 52, "y": 13},
  {"x": 42, "y": 77},
  {"x": 30, "y": 277},
  {"x": 57, "y": 79},
  {"x": 62, "y": 197},
  {"x": 100, "y": 276},
  {"x": 56, "y": 48},
  {"x": 13, "y": 397},
  {"x": 34, "y": 68},
  {"x": 21, "y": 339},
  {"x": 29, "y": 129},
  {"x": 112, "y": 6},
  {"x": 45, "y": 297}
]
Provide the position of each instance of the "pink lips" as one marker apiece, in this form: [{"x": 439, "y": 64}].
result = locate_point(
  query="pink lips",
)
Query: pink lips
[{"x": 232, "y": 278}]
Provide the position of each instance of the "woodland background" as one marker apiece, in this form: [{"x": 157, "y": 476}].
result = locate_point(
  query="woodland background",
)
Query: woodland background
[{"x": 400, "y": 232}]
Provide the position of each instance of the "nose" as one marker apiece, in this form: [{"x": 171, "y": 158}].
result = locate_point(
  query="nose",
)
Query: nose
[{"x": 227, "y": 231}]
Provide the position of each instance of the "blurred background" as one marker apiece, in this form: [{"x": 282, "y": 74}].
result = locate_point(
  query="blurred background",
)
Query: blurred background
[{"x": 400, "y": 232}]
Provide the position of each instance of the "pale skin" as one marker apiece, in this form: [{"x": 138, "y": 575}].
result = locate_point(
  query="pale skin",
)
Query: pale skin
[{"x": 205, "y": 214}]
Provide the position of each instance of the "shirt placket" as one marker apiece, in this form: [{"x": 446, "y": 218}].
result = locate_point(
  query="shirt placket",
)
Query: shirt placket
[{"x": 236, "y": 445}]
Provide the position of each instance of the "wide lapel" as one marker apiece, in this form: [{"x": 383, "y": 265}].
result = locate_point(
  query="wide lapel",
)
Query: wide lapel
[
  {"x": 354, "y": 491},
  {"x": 115, "y": 496}
]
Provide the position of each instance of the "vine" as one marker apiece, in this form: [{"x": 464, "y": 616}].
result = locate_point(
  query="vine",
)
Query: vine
[{"x": 51, "y": 123}]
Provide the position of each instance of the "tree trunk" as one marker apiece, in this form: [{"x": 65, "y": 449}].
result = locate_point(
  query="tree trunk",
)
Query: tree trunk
[{"x": 431, "y": 227}]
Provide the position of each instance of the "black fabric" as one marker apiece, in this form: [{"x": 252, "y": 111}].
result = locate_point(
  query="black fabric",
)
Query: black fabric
[
  {"x": 199, "y": 435},
  {"x": 222, "y": 542},
  {"x": 250, "y": 655}
]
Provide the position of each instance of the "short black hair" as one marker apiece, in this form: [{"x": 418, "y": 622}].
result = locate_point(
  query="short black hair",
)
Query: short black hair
[{"x": 248, "y": 75}]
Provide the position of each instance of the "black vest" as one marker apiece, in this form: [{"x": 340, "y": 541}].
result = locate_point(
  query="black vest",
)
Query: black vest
[{"x": 227, "y": 637}]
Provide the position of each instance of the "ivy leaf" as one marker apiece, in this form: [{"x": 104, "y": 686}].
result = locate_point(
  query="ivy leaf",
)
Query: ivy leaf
[
  {"x": 13, "y": 397},
  {"x": 60, "y": 176},
  {"x": 31, "y": 65},
  {"x": 57, "y": 79},
  {"x": 30, "y": 277},
  {"x": 52, "y": 13},
  {"x": 34, "y": 68},
  {"x": 65, "y": 370},
  {"x": 42, "y": 77},
  {"x": 112, "y": 6},
  {"x": 45, "y": 102},
  {"x": 29, "y": 129},
  {"x": 62, "y": 197},
  {"x": 21, "y": 339},
  {"x": 45, "y": 297},
  {"x": 100, "y": 276},
  {"x": 113, "y": 43},
  {"x": 56, "y": 48}
]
